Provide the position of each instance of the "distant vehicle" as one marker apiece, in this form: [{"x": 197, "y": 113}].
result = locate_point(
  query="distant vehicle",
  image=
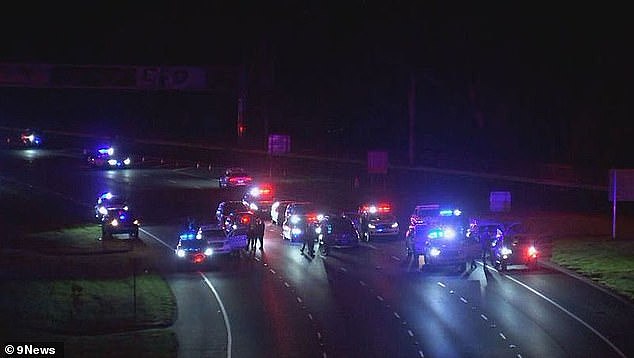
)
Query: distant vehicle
[
  {"x": 442, "y": 240},
  {"x": 235, "y": 177},
  {"x": 109, "y": 158},
  {"x": 336, "y": 232},
  {"x": 515, "y": 246},
  {"x": 30, "y": 138},
  {"x": 109, "y": 201},
  {"x": 377, "y": 220},
  {"x": 260, "y": 199},
  {"x": 228, "y": 208},
  {"x": 119, "y": 221},
  {"x": 301, "y": 219},
  {"x": 277, "y": 211}
]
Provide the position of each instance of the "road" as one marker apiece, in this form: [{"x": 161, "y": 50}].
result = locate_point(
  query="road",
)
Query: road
[{"x": 369, "y": 301}]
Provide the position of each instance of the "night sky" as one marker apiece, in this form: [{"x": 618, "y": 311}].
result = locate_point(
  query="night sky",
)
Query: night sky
[{"x": 512, "y": 83}]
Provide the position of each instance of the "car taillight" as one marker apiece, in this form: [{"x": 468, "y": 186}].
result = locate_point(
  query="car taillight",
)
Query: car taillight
[
  {"x": 532, "y": 251},
  {"x": 233, "y": 180},
  {"x": 198, "y": 258},
  {"x": 245, "y": 219}
]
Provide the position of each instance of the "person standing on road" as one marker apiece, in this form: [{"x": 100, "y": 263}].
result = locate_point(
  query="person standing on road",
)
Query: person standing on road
[
  {"x": 486, "y": 239},
  {"x": 252, "y": 232},
  {"x": 259, "y": 233}
]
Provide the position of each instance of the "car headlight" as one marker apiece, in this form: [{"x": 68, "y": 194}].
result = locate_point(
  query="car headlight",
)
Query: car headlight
[
  {"x": 371, "y": 226},
  {"x": 180, "y": 253},
  {"x": 506, "y": 251},
  {"x": 199, "y": 236},
  {"x": 320, "y": 217},
  {"x": 112, "y": 161},
  {"x": 318, "y": 230},
  {"x": 255, "y": 192},
  {"x": 136, "y": 222},
  {"x": 103, "y": 210},
  {"x": 434, "y": 251},
  {"x": 295, "y": 219},
  {"x": 296, "y": 231},
  {"x": 208, "y": 251},
  {"x": 253, "y": 206},
  {"x": 125, "y": 208},
  {"x": 114, "y": 222},
  {"x": 394, "y": 226},
  {"x": 127, "y": 161}
]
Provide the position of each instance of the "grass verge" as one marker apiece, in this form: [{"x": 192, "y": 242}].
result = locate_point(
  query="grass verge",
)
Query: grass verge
[
  {"x": 101, "y": 298},
  {"x": 602, "y": 259}
]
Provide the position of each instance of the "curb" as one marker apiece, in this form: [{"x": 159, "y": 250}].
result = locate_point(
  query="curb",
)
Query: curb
[{"x": 553, "y": 266}]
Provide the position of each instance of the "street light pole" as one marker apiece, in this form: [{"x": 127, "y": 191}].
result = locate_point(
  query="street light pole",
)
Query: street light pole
[{"x": 412, "y": 116}]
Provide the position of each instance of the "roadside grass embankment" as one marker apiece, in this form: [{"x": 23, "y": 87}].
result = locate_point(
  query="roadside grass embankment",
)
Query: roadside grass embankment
[
  {"x": 607, "y": 261},
  {"x": 101, "y": 298}
]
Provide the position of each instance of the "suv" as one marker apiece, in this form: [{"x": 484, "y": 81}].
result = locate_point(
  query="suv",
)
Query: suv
[{"x": 234, "y": 177}]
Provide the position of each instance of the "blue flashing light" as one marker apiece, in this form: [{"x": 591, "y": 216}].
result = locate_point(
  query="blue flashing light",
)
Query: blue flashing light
[
  {"x": 457, "y": 212},
  {"x": 446, "y": 213},
  {"x": 121, "y": 217},
  {"x": 188, "y": 236}
]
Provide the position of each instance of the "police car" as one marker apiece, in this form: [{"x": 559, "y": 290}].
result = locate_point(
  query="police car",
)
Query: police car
[
  {"x": 377, "y": 220},
  {"x": 109, "y": 158},
  {"x": 119, "y": 221},
  {"x": 260, "y": 199},
  {"x": 30, "y": 138},
  {"x": 192, "y": 248},
  {"x": 301, "y": 220},
  {"x": 108, "y": 201},
  {"x": 441, "y": 238}
]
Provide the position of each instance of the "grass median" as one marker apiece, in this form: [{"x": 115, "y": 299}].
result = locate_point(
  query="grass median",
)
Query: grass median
[
  {"x": 603, "y": 259},
  {"x": 99, "y": 300}
]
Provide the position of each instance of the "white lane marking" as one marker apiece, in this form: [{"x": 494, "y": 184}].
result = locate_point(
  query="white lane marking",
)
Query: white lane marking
[
  {"x": 155, "y": 238},
  {"x": 441, "y": 284},
  {"x": 411, "y": 334},
  {"x": 324, "y": 355},
  {"x": 484, "y": 317},
  {"x": 570, "y": 314},
  {"x": 319, "y": 335},
  {"x": 420, "y": 354},
  {"x": 172, "y": 181},
  {"x": 372, "y": 246},
  {"x": 224, "y": 313},
  {"x": 451, "y": 292},
  {"x": 343, "y": 269},
  {"x": 464, "y": 300},
  {"x": 286, "y": 284},
  {"x": 299, "y": 299},
  {"x": 397, "y": 315},
  {"x": 502, "y": 336},
  {"x": 310, "y": 316},
  {"x": 396, "y": 258},
  {"x": 272, "y": 271},
  {"x": 379, "y": 298},
  {"x": 362, "y": 283}
]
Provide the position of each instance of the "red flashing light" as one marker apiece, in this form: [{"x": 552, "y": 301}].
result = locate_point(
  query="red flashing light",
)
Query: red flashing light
[{"x": 233, "y": 180}]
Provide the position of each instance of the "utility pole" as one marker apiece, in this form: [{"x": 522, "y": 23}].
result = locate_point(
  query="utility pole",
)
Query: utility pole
[{"x": 412, "y": 116}]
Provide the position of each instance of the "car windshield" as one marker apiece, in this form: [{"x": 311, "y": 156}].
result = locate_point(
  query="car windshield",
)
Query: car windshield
[
  {"x": 338, "y": 225},
  {"x": 236, "y": 172},
  {"x": 234, "y": 206},
  {"x": 382, "y": 217},
  {"x": 304, "y": 209}
]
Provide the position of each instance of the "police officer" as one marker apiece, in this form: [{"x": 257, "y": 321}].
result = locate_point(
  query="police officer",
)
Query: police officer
[
  {"x": 308, "y": 242},
  {"x": 252, "y": 233},
  {"x": 259, "y": 236},
  {"x": 486, "y": 239}
]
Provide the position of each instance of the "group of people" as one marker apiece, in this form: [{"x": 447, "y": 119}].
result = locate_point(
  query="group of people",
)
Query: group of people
[{"x": 255, "y": 234}]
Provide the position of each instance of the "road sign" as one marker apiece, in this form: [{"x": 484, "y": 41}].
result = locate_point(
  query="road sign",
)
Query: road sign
[
  {"x": 621, "y": 188},
  {"x": 500, "y": 201},
  {"x": 377, "y": 162},
  {"x": 279, "y": 144}
]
